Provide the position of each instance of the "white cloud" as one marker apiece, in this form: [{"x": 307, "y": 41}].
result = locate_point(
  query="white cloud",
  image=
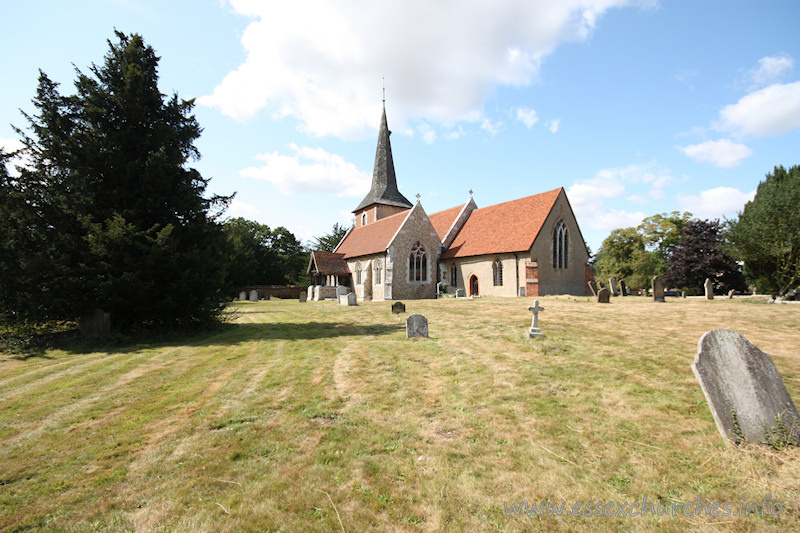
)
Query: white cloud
[
  {"x": 723, "y": 153},
  {"x": 493, "y": 128},
  {"x": 553, "y": 125},
  {"x": 770, "y": 69},
  {"x": 322, "y": 62},
  {"x": 428, "y": 133},
  {"x": 310, "y": 170},
  {"x": 715, "y": 203},
  {"x": 527, "y": 116},
  {"x": 239, "y": 208},
  {"x": 771, "y": 111}
]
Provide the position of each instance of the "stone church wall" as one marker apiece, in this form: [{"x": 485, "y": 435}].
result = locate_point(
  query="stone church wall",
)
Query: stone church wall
[{"x": 417, "y": 227}]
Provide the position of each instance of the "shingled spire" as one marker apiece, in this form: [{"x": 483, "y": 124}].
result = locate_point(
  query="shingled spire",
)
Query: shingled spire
[{"x": 384, "y": 182}]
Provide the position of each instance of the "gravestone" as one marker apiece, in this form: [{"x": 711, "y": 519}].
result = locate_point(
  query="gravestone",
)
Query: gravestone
[
  {"x": 709, "y": 287},
  {"x": 242, "y": 296},
  {"x": 603, "y": 296},
  {"x": 266, "y": 295},
  {"x": 341, "y": 290},
  {"x": 730, "y": 294},
  {"x": 460, "y": 293},
  {"x": 416, "y": 326},
  {"x": 683, "y": 294},
  {"x": 593, "y": 287},
  {"x": 254, "y": 295},
  {"x": 744, "y": 391},
  {"x": 348, "y": 299},
  {"x": 398, "y": 307},
  {"x": 96, "y": 325},
  {"x": 534, "y": 330},
  {"x": 303, "y": 297},
  {"x": 612, "y": 286},
  {"x": 658, "y": 289},
  {"x": 623, "y": 288}
]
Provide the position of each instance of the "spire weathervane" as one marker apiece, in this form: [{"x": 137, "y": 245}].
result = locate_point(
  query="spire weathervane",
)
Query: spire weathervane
[{"x": 384, "y": 92}]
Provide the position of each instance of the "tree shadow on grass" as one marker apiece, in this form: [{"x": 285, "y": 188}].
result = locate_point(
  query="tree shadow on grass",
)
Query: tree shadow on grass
[{"x": 221, "y": 335}]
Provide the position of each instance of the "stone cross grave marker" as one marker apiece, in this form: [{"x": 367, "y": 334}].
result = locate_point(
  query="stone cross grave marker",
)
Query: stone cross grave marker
[
  {"x": 745, "y": 393},
  {"x": 398, "y": 307},
  {"x": 658, "y": 289},
  {"x": 416, "y": 326},
  {"x": 603, "y": 296},
  {"x": 709, "y": 287},
  {"x": 534, "y": 330}
]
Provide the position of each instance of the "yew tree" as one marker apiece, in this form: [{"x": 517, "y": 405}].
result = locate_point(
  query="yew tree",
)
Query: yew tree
[{"x": 112, "y": 215}]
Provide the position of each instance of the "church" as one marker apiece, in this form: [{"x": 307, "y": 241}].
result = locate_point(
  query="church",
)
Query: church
[{"x": 531, "y": 246}]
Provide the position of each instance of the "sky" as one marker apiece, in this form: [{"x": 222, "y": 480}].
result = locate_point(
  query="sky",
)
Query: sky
[{"x": 635, "y": 107}]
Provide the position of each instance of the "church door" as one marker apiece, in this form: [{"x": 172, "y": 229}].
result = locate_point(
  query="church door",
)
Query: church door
[{"x": 473, "y": 285}]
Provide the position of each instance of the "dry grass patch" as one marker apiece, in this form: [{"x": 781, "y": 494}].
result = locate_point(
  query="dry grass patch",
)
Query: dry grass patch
[{"x": 308, "y": 414}]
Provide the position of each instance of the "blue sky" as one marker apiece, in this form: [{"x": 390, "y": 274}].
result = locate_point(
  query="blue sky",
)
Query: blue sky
[{"x": 634, "y": 107}]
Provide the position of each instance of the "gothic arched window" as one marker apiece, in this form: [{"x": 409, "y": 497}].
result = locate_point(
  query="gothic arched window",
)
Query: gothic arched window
[
  {"x": 497, "y": 273},
  {"x": 560, "y": 245},
  {"x": 377, "y": 271},
  {"x": 417, "y": 263}
]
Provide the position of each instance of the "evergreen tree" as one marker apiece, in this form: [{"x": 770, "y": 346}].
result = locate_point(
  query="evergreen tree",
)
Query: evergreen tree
[
  {"x": 261, "y": 256},
  {"x": 114, "y": 218},
  {"x": 699, "y": 254},
  {"x": 329, "y": 241},
  {"x": 767, "y": 234}
]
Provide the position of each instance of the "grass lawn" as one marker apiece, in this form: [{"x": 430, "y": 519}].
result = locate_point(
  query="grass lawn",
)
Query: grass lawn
[{"x": 318, "y": 417}]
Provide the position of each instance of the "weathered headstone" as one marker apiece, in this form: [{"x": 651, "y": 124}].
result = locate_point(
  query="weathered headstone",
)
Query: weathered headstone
[
  {"x": 348, "y": 299},
  {"x": 398, "y": 307},
  {"x": 341, "y": 290},
  {"x": 745, "y": 393},
  {"x": 460, "y": 293},
  {"x": 96, "y": 325},
  {"x": 303, "y": 297},
  {"x": 416, "y": 326},
  {"x": 612, "y": 286},
  {"x": 242, "y": 296},
  {"x": 534, "y": 330},
  {"x": 266, "y": 295},
  {"x": 709, "y": 287},
  {"x": 623, "y": 288},
  {"x": 593, "y": 287},
  {"x": 603, "y": 296},
  {"x": 658, "y": 289},
  {"x": 683, "y": 294},
  {"x": 254, "y": 295},
  {"x": 730, "y": 294}
]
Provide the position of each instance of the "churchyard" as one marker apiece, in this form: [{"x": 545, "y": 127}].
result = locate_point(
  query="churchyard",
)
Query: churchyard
[{"x": 317, "y": 416}]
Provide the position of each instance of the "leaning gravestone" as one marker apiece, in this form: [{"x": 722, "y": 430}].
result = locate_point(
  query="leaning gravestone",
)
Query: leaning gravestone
[
  {"x": 254, "y": 295},
  {"x": 242, "y": 296},
  {"x": 398, "y": 307},
  {"x": 603, "y": 296},
  {"x": 612, "y": 285},
  {"x": 730, "y": 294},
  {"x": 747, "y": 397},
  {"x": 709, "y": 287},
  {"x": 593, "y": 287},
  {"x": 623, "y": 288},
  {"x": 416, "y": 326},
  {"x": 658, "y": 289},
  {"x": 96, "y": 325}
]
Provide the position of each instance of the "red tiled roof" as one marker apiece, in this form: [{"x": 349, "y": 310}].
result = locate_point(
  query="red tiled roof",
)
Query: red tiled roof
[
  {"x": 329, "y": 262},
  {"x": 372, "y": 238},
  {"x": 502, "y": 228},
  {"x": 443, "y": 220}
]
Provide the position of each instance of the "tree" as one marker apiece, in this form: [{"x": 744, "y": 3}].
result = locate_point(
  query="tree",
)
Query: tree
[
  {"x": 108, "y": 214},
  {"x": 661, "y": 233},
  {"x": 623, "y": 256},
  {"x": 329, "y": 241},
  {"x": 261, "y": 256},
  {"x": 699, "y": 254},
  {"x": 766, "y": 235}
]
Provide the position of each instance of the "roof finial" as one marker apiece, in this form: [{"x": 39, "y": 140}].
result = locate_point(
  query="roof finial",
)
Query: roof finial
[
  {"x": 418, "y": 197},
  {"x": 384, "y": 91},
  {"x": 470, "y": 193}
]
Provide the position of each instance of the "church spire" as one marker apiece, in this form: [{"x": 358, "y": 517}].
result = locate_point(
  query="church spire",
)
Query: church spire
[{"x": 384, "y": 182}]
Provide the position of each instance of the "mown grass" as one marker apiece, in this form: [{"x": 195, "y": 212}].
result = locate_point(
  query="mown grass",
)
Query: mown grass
[{"x": 317, "y": 417}]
